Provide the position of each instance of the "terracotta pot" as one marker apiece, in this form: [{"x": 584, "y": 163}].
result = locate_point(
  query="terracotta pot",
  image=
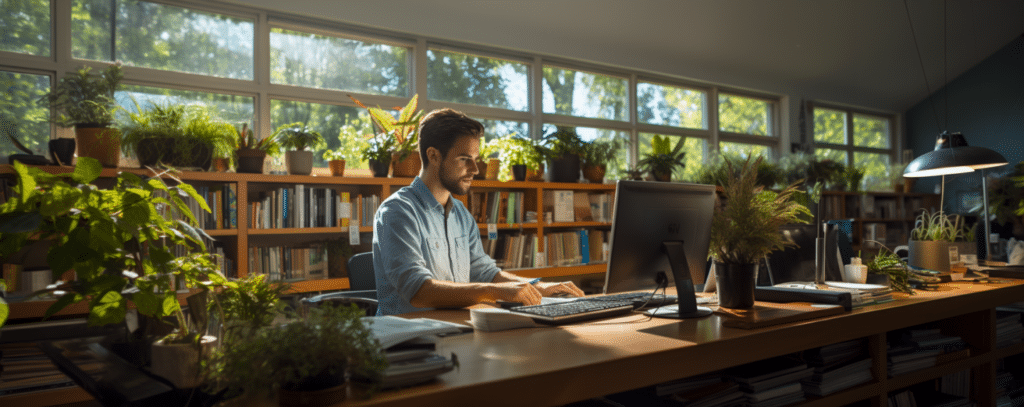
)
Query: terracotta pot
[
  {"x": 250, "y": 161},
  {"x": 101, "y": 143},
  {"x": 493, "y": 166},
  {"x": 300, "y": 162},
  {"x": 221, "y": 164},
  {"x": 481, "y": 170},
  {"x": 337, "y": 167},
  {"x": 594, "y": 173},
  {"x": 409, "y": 167},
  {"x": 908, "y": 184},
  {"x": 535, "y": 175},
  {"x": 662, "y": 176}
]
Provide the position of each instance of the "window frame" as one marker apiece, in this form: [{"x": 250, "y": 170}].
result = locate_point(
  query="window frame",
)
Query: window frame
[{"x": 850, "y": 146}]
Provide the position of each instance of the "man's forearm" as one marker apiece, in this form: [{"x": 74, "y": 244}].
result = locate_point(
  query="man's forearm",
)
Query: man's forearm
[
  {"x": 448, "y": 294},
  {"x": 506, "y": 277}
]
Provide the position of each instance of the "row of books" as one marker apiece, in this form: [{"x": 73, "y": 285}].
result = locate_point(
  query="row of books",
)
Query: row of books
[
  {"x": 513, "y": 251},
  {"x": 301, "y": 206},
  {"x": 289, "y": 263},
  {"x": 575, "y": 247},
  {"x": 909, "y": 350},
  {"x": 498, "y": 207}
]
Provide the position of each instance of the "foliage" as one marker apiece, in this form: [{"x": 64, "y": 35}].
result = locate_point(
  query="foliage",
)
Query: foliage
[
  {"x": 188, "y": 125},
  {"x": 563, "y": 142},
  {"x": 716, "y": 171},
  {"x": 663, "y": 158},
  {"x": 887, "y": 263},
  {"x": 937, "y": 226},
  {"x": 249, "y": 304},
  {"x": 813, "y": 170},
  {"x": 895, "y": 172},
  {"x": 853, "y": 177},
  {"x": 1006, "y": 196},
  {"x": 600, "y": 152},
  {"x": 82, "y": 98},
  {"x": 331, "y": 155},
  {"x": 247, "y": 141},
  {"x": 5, "y": 310},
  {"x": 378, "y": 148},
  {"x": 513, "y": 150},
  {"x": 327, "y": 341},
  {"x": 122, "y": 241},
  {"x": 745, "y": 227},
  {"x": 401, "y": 134},
  {"x": 298, "y": 136}
]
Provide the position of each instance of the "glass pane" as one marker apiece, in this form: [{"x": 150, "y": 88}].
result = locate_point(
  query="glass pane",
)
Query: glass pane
[
  {"x": 617, "y": 168},
  {"x": 21, "y": 116},
  {"x": 471, "y": 79},
  {"x": 830, "y": 126},
  {"x": 737, "y": 114},
  {"x": 874, "y": 166},
  {"x": 317, "y": 61},
  {"x": 830, "y": 154},
  {"x": 500, "y": 128},
  {"x": 745, "y": 150},
  {"x": 672, "y": 106},
  {"x": 694, "y": 158},
  {"x": 163, "y": 37},
  {"x": 230, "y": 108},
  {"x": 25, "y": 27},
  {"x": 575, "y": 93},
  {"x": 344, "y": 128},
  {"x": 870, "y": 131}
]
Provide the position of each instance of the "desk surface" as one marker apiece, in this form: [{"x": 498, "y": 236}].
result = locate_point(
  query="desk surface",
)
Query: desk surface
[{"x": 558, "y": 365}]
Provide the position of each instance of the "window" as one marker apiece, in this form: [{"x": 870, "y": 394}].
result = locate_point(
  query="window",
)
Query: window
[
  {"x": 574, "y": 93},
  {"x": 20, "y": 115},
  {"x": 744, "y": 115},
  {"x": 617, "y": 168},
  {"x": 471, "y": 79},
  {"x": 694, "y": 159},
  {"x": 745, "y": 150},
  {"x": 672, "y": 106},
  {"x": 500, "y": 128},
  {"x": 25, "y": 27},
  {"x": 342, "y": 127},
  {"x": 233, "y": 109},
  {"x": 847, "y": 136},
  {"x": 163, "y": 37},
  {"x": 317, "y": 61}
]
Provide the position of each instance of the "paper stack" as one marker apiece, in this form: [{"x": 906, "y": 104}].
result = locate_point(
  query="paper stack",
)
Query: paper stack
[
  {"x": 837, "y": 366},
  {"x": 1008, "y": 328},
  {"x": 772, "y": 382},
  {"x": 498, "y": 319},
  {"x": 409, "y": 346}
]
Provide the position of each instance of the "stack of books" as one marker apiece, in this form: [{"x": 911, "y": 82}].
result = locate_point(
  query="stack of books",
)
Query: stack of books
[
  {"x": 25, "y": 368},
  {"x": 836, "y": 367},
  {"x": 922, "y": 348},
  {"x": 1008, "y": 328},
  {"x": 410, "y": 348},
  {"x": 772, "y": 382}
]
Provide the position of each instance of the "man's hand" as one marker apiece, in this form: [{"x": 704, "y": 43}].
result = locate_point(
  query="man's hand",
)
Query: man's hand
[
  {"x": 516, "y": 291},
  {"x": 563, "y": 289}
]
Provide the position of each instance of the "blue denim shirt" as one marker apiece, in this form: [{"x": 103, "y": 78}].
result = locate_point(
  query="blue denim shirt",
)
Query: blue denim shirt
[{"x": 413, "y": 242}]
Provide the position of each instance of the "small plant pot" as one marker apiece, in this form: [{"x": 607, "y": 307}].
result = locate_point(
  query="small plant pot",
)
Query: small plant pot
[
  {"x": 408, "y": 168},
  {"x": 594, "y": 173},
  {"x": 481, "y": 170},
  {"x": 101, "y": 143},
  {"x": 152, "y": 151},
  {"x": 250, "y": 161},
  {"x": 337, "y": 167},
  {"x": 519, "y": 172},
  {"x": 380, "y": 168},
  {"x": 564, "y": 169},
  {"x": 493, "y": 166},
  {"x": 662, "y": 176},
  {"x": 221, "y": 164},
  {"x": 535, "y": 175},
  {"x": 908, "y": 184},
  {"x": 62, "y": 151},
  {"x": 299, "y": 162},
  {"x": 179, "y": 362},
  {"x": 934, "y": 255},
  {"x": 735, "y": 284},
  {"x": 898, "y": 187}
]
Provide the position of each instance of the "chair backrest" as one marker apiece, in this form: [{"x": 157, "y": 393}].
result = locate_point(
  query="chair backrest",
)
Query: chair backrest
[{"x": 360, "y": 272}]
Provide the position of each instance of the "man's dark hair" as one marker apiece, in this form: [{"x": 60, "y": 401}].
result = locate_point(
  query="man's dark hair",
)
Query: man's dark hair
[{"x": 442, "y": 127}]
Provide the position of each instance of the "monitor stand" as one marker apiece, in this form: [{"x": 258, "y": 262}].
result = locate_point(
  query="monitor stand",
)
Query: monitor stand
[{"x": 687, "y": 306}]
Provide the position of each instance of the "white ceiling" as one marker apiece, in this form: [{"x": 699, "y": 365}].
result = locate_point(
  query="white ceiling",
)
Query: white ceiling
[{"x": 855, "y": 52}]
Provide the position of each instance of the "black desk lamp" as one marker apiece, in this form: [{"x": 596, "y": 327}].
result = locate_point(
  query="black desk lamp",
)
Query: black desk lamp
[{"x": 952, "y": 155}]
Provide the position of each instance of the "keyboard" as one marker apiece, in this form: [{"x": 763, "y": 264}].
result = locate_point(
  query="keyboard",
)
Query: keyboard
[
  {"x": 582, "y": 309},
  {"x": 639, "y": 298}
]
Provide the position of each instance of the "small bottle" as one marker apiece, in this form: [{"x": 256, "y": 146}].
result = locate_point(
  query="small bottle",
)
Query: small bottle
[{"x": 855, "y": 272}]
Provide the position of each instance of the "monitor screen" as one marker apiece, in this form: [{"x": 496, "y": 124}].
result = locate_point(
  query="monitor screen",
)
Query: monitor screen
[{"x": 647, "y": 214}]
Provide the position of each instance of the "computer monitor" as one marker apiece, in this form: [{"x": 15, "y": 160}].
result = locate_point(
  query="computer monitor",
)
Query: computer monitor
[
  {"x": 656, "y": 225},
  {"x": 796, "y": 264}
]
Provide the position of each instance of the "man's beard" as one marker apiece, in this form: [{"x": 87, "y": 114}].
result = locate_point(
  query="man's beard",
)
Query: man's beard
[{"x": 453, "y": 184}]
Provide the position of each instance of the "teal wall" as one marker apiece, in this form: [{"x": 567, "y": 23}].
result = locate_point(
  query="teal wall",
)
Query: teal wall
[{"x": 986, "y": 104}]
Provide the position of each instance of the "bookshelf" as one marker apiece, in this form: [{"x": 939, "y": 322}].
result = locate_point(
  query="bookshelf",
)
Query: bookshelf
[
  {"x": 238, "y": 242},
  {"x": 886, "y": 217}
]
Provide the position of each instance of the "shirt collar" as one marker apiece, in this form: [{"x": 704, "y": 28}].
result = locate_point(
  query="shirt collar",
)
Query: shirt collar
[{"x": 420, "y": 190}]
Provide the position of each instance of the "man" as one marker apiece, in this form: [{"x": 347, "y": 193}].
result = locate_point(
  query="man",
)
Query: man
[{"x": 426, "y": 246}]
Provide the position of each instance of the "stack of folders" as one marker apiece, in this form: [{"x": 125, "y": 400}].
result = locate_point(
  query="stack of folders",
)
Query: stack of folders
[
  {"x": 409, "y": 346},
  {"x": 772, "y": 382},
  {"x": 923, "y": 348},
  {"x": 1008, "y": 328},
  {"x": 837, "y": 367},
  {"x": 498, "y": 319}
]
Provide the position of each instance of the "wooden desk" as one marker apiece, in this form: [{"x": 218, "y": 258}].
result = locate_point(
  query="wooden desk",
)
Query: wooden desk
[{"x": 558, "y": 365}]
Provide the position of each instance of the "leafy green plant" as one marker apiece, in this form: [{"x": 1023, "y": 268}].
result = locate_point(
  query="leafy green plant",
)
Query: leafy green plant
[
  {"x": 298, "y": 136},
  {"x": 745, "y": 227},
  {"x": 854, "y": 176},
  {"x": 122, "y": 241},
  {"x": 401, "y": 134},
  {"x": 1006, "y": 198},
  {"x": 887, "y": 263},
  {"x": 379, "y": 148},
  {"x": 249, "y": 304},
  {"x": 563, "y": 142},
  {"x": 187, "y": 125},
  {"x": 937, "y": 226},
  {"x": 82, "y": 98},
  {"x": 600, "y": 152},
  {"x": 331, "y": 155},
  {"x": 324, "y": 343},
  {"x": 715, "y": 171},
  {"x": 663, "y": 158},
  {"x": 247, "y": 141}
]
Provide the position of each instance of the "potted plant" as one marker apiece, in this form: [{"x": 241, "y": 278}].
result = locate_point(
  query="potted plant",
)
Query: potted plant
[
  {"x": 86, "y": 102},
  {"x": 518, "y": 155},
  {"x": 887, "y": 269},
  {"x": 596, "y": 156},
  {"x": 562, "y": 149},
  {"x": 663, "y": 158},
  {"x": 401, "y": 134},
  {"x": 490, "y": 153},
  {"x": 304, "y": 360},
  {"x": 336, "y": 162},
  {"x": 933, "y": 238},
  {"x": 297, "y": 137},
  {"x": 378, "y": 153},
  {"x": 745, "y": 228},
  {"x": 251, "y": 152},
  {"x": 1006, "y": 200},
  {"x": 854, "y": 176},
  {"x": 182, "y": 136}
]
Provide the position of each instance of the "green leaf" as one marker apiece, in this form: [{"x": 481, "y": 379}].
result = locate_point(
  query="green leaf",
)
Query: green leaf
[
  {"x": 62, "y": 200},
  {"x": 26, "y": 183},
  {"x": 86, "y": 170},
  {"x": 195, "y": 195},
  {"x": 170, "y": 304},
  {"x": 5, "y": 311},
  {"x": 107, "y": 308},
  {"x": 148, "y": 303},
  {"x": 61, "y": 303}
]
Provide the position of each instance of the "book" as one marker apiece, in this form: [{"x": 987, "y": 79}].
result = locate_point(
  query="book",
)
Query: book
[
  {"x": 755, "y": 372},
  {"x": 778, "y": 391}
]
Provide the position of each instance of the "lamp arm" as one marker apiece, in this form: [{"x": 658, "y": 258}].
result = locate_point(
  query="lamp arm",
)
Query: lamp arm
[{"x": 984, "y": 209}]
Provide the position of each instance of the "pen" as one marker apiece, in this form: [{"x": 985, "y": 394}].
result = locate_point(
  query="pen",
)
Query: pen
[{"x": 535, "y": 281}]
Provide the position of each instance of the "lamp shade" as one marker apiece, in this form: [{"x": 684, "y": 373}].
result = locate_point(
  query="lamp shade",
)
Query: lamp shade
[{"x": 952, "y": 155}]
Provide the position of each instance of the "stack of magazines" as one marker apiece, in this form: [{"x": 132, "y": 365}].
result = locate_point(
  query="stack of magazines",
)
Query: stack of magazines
[
  {"x": 772, "y": 382},
  {"x": 409, "y": 346},
  {"x": 837, "y": 366},
  {"x": 920, "y": 348}
]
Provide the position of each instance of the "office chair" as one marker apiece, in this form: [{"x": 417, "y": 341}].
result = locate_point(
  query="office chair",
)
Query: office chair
[{"x": 362, "y": 287}]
